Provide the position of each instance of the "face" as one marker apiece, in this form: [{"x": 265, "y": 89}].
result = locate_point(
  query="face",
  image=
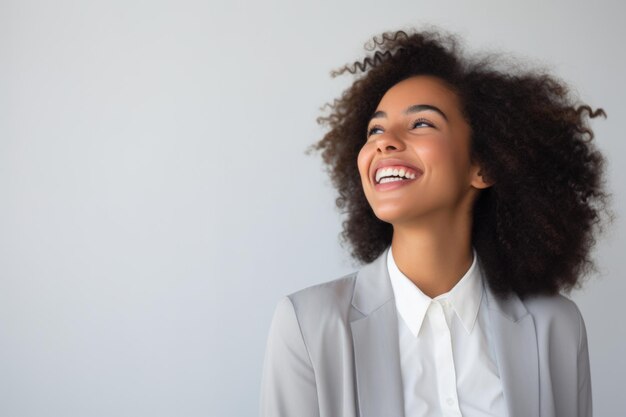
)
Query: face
[{"x": 422, "y": 141}]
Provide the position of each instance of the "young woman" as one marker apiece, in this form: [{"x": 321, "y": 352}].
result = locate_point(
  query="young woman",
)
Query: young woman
[{"x": 473, "y": 196}]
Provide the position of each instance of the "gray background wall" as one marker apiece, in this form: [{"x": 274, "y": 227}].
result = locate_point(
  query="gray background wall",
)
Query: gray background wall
[{"x": 156, "y": 201}]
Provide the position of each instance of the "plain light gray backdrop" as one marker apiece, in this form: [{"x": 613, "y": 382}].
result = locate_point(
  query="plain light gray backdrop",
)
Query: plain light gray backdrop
[{"x": 156, "y": 201}]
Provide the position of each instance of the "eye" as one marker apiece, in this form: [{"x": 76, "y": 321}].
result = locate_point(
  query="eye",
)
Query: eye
[
  {"x": 373, "y": 130},
  {"x": 422, "y": 122}
]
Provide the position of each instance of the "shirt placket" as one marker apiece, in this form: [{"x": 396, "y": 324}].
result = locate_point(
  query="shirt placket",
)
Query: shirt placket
[{"x": 444, "y": 361}]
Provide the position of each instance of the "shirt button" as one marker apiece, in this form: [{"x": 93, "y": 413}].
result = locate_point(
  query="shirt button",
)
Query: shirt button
[{"x": 450, "y": 401}]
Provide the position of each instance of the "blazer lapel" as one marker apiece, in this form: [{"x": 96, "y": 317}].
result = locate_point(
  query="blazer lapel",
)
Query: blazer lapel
[
  {"x": 515, "y": 344},
  {"x": 374, "y": 325}
]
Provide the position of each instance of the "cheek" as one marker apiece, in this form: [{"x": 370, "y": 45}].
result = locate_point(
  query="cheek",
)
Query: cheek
[
  {"x": 437, "y": 152},
  {"x": 442, "y": 160},
  {"x": 362, "y": 161}
]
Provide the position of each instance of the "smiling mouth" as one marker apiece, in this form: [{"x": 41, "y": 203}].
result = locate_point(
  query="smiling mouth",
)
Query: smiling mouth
[{"x": 395, "y": 173}]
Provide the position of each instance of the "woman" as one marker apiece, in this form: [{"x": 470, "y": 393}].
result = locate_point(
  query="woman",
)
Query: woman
[{"x": 473, "y": 196}]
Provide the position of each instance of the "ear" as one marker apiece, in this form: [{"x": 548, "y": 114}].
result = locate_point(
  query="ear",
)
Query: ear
[{"x": 479, "y": 180}]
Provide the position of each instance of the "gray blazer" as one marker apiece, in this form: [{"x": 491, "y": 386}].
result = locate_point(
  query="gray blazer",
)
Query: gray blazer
[{"x": 333, "y": 351}]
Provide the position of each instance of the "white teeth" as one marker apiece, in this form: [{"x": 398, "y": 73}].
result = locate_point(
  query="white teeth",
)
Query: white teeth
[
  {"x": 389, "y": 179},
  {"x": 395, "y": 172}
]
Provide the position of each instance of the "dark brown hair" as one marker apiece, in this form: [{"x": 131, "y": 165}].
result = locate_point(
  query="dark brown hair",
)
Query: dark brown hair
[{"x": 535, "y": 227}]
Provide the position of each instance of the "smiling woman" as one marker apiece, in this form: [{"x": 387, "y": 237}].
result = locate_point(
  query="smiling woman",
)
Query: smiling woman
[{"x": 458, "y": 309}]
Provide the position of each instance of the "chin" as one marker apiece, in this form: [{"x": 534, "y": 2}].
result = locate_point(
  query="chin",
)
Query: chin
[
  {"x": 388, "y": 216},
  {"x": 399, "y": 215}
]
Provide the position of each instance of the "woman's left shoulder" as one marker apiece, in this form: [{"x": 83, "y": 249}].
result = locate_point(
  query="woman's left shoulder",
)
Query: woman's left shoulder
[
  {"x": 556, "y": 310},
  {"x": 558, "y": 304}
]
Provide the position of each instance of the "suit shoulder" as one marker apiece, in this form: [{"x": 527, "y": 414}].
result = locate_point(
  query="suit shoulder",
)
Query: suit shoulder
[
  {"x": 557, "y": 312},
  {"x": 324, "y": 301},
  {"x": 552, "y": 305},
  {"x": 333, "y": 293}
]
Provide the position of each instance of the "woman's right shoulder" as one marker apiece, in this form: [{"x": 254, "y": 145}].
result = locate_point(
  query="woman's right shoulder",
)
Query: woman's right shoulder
[
  {"x": 336, "y": 293},
  {"x": 337, "y": 287},
  {"x": 324, "y": 302},
  {"x": 309, "y": 328}
]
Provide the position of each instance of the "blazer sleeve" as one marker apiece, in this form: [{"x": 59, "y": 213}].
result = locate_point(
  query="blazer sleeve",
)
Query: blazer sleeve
[
  {"x": 288, "y": 380},
  {"x": 584, "y": 376}
]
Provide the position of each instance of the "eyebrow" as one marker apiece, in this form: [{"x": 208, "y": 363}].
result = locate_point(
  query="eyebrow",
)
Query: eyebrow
[{"x": 413, "y": 109}]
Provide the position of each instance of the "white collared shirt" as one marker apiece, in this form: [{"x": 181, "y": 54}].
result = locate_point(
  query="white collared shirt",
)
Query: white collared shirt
[{"x": 447, "y": 360}]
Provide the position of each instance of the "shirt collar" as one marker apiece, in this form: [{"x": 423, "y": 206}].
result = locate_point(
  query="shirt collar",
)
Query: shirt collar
[{"x": 412, "y": 304}]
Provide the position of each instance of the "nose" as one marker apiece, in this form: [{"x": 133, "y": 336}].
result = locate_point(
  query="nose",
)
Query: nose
[{"x": 388, "y": 142}]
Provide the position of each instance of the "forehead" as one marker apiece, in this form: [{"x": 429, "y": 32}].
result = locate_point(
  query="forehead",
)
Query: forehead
[{"x": 422, "y": 89}]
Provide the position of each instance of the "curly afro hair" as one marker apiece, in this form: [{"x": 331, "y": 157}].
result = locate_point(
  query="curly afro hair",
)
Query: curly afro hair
[{"x": 532, "y": 236}]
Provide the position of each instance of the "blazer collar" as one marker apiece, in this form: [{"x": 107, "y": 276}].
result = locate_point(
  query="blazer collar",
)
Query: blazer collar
[
  {"x": 373, "y": 286},
  {"x": 375, "y": 341},
  {"x": 514, "y": 339},
  {"x": 377, "y": 350}
]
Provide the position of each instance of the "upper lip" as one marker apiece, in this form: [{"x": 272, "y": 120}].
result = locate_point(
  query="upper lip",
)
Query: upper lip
[{"x": 391, "y": 162}]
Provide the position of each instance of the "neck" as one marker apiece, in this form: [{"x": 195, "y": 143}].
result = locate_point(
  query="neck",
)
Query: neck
[{"x": 433, "y": 254}]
